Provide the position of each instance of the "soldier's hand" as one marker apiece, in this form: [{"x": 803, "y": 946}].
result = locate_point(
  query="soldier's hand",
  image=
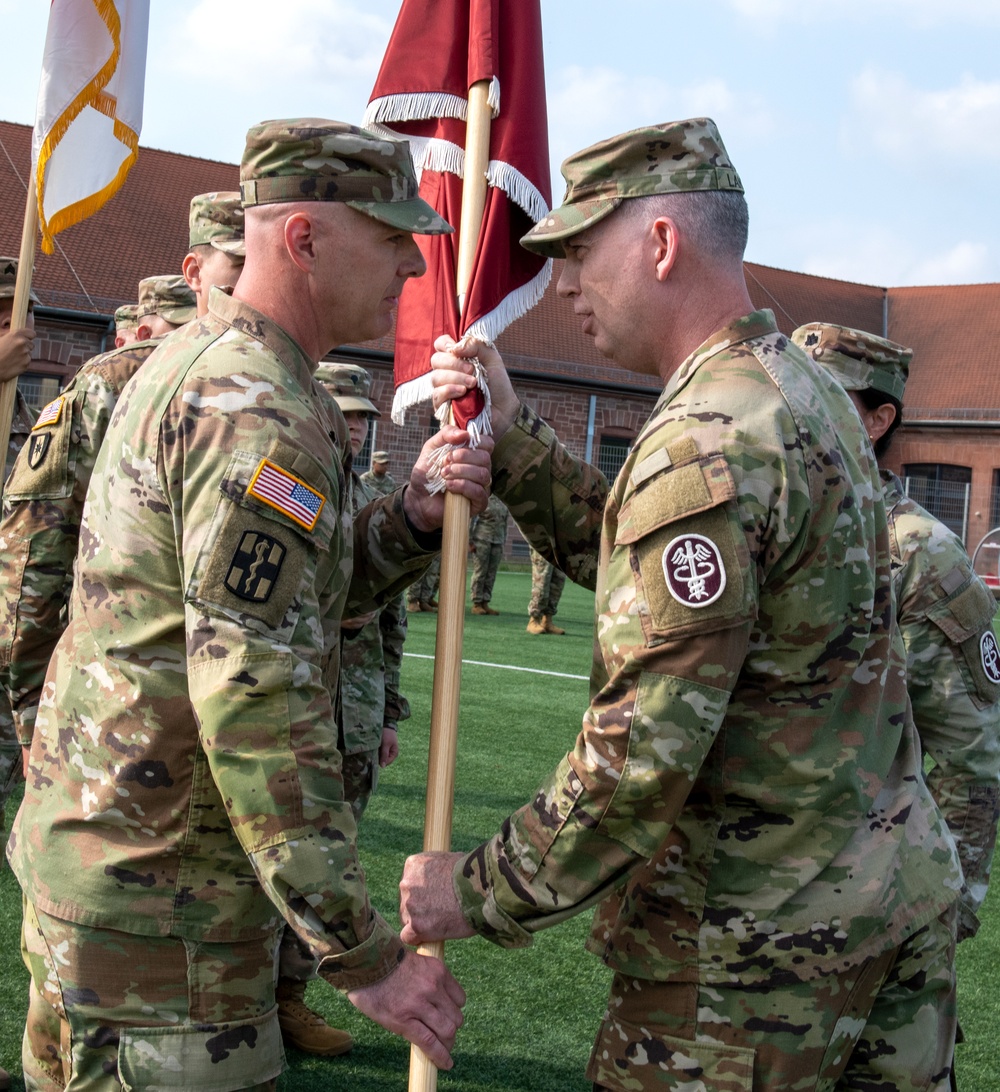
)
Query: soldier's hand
[
  {"x": 465, "y": 471},
  {"x": 427, "y": 901},
  {"x": 15, "y": 352},
  {"x": 421, "y": 1001},
  {"x": 388, "y": 748},
  {"x": 452, "y": 377}
]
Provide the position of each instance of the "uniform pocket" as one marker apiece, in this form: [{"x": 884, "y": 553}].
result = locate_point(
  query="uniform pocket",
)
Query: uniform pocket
[
  {"x": 632, "y": 1058},
  {"x": 221, "y": 1058}
]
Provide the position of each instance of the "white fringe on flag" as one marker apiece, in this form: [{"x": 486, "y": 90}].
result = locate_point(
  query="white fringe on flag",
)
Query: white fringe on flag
[
  {"x": 515, "y": 304},
  {"x": 518, "y": 187},
  {"x": 416, "y": 106},
  {"x": 493, "y": 98}
]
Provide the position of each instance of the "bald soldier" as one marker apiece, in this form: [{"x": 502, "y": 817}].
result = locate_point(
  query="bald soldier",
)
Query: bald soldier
[
  {"x": 745, "y": 800},
  {"x": 184, "y": 797}
]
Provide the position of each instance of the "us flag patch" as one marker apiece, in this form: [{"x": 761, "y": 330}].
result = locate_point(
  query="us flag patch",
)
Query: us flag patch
[
  {"x": 51, "y": 414},
  {"x": 288, "y": 494}
]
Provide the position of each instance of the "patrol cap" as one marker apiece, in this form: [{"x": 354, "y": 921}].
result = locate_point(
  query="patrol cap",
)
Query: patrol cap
[
  {"x": 380, "y": 457},
  {"x": 312, "y": 159},
  {"x": 167, "y": 296},
  {"x": 350, "y": 385},
  {"x": 676, "y": 157},
  {"x": 858, "y": 360},
  {"x": 216, "y": 219},
  {"x": 127, "y": 317},
  {"x": 8, "y": 280}
]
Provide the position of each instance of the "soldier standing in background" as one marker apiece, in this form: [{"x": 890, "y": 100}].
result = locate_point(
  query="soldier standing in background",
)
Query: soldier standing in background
[
  {"x": 486, "y": 539},
  {"x": 182, "y": 748},
  {"x": 746, "y": 794},
  {"x": 15, "y": 358},
  {"x": 420, "y": 596},
  {"x": 216, "y": 246},
  {"x": 945, "y": 614},
  {"x": 547, "y": 583},
  {"x": 126, "y": 325},
  {"x": 379, "y": 477}
]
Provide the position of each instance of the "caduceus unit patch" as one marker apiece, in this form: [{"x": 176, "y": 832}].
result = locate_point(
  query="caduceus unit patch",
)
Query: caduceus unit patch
[
  {"x": 990, "y": 655},
  {"x": 256, "y": 564},
  {"x": 694, "y": 570}
]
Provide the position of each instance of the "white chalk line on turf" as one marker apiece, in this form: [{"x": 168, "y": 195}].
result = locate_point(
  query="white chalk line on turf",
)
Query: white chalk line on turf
[{"x": 505, "y": 667}]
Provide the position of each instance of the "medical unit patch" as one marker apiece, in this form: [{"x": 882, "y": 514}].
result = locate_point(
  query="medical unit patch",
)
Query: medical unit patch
[
  {"x": 286, "y": 493},
  {"x": 694, "y": 570}
]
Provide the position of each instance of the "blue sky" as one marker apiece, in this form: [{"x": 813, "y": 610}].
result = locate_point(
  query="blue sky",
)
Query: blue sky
[{"x": 866, "y": 132}]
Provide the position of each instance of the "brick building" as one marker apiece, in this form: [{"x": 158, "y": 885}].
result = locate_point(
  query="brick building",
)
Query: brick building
[{"x": 946, "y": 450}]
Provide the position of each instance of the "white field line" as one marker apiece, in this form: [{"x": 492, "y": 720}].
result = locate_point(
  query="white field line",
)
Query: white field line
[{"x": 505, "y": 667}]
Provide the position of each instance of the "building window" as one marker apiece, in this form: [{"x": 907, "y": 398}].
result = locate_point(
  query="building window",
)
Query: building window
[
  {"x": 38, "y": 390},
  {"x": 943, "y": 490},
  {"x": 611, "y": 455},
  {"x": 995, "y": 501},
  {"x": 364, "y": 460}
]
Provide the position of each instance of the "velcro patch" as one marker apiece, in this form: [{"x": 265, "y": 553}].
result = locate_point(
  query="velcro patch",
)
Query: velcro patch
[
  {"x": 50, "y": 414},
  {"x": 255, "y": 567},
  {"x": 694, "y": 570},
  {"x": 288, "y": 494}
]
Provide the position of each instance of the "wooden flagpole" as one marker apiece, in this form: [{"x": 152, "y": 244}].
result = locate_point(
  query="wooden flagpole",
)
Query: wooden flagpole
[
  {"x": 19, "y": 315},
  {"x": 454, "y": 560}
]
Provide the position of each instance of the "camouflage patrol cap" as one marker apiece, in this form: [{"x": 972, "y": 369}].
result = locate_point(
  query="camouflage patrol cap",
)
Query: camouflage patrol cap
[
  {"x": 216, "y": 219},
  {"x": 380, "y": 457},
  {"x": 311, "y": 159},
  {"x": 127, "y": 317},
  {"x": 676, "y": 157},
  {"x": 858, "y": 360},
  {"x": 166, "y": 296},
  {"x": 350, "y": 385},
  {"x": 8, "y": 280}
]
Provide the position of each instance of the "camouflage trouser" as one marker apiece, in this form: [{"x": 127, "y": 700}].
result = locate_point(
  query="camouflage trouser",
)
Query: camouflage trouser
[
  {"x": 424, "y": 589},
  {"x": 485, "y": 563},
  {"x": 10, "y": 759},
  {"x": 112, "y": 1012},
  {"x": 886, "y": 1026},
  {"x": 547, "y": 583}
]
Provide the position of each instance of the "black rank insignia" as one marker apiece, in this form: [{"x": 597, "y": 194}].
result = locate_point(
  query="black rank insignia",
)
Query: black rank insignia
[
  {"x": 254, "y": 570},
  {"x": 38, "y": 448}
]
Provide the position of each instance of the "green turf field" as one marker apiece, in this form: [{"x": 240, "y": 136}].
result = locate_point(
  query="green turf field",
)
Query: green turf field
[{"x": 531, "y": 1014}]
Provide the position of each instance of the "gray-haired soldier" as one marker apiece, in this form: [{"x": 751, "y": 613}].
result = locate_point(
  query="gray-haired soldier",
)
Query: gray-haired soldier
[{"x": 745, "y": 801}]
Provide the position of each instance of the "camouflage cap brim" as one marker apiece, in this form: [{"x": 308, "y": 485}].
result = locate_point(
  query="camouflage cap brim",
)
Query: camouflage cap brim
[
  {"x": 177, "y": 315},
  {"x": 235, "y": 248},
  {"x": 547, "y": 236},
  {"x": 350, "y": 403},
  {"x": 414, "y": 215}
]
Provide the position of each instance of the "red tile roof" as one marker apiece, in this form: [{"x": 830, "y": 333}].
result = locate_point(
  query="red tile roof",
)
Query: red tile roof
[{"x": 954, "y": 331}]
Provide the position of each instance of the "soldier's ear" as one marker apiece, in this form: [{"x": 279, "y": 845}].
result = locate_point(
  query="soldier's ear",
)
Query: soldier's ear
[{"x": 666, "y": 245}]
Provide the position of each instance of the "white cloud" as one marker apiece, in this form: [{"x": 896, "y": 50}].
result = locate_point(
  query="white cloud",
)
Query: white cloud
[
  {"x": 940, "y": 130},
  {"x": 915, "y": 12}
]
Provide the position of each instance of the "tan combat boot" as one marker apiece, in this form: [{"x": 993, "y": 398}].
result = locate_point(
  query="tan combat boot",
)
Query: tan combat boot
[
  {"x": 304, "y": 1029},
  {"x": 551, "y": 627},
  {"x": 536, "y": 626}
]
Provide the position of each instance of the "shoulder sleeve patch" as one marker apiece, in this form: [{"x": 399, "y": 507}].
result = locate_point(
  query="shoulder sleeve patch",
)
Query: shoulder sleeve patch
[
  {"x": 279, "y": 489},
  {"x": 51, "y": 413},
  {"x": 45, "y": 465}
]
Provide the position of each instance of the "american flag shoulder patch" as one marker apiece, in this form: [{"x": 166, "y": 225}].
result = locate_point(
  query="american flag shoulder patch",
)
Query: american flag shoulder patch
[
  {"x": 50, "y": 414},
  {"x": 274, "y": 486}
]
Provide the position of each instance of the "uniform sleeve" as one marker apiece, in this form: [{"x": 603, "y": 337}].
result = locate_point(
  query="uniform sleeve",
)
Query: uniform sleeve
[
  {"x": 556, "y": 500},
  {"x": 43, "y": 507},
  {"x": 265, "y": 594},
  {"x": 664, "y": 671},
  {"x": 952, "y": 678}
]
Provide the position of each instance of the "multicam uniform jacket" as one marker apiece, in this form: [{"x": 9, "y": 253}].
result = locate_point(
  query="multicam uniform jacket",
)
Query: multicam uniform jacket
[
  {"x": 42, "y": 512},
  {"x": 746, "y": 788},
  {"x": 370, "y": 662},
  {"x": 184, "y": 778},
  {"x": 953, "y": 676},
  {"x": 384, "y": 485}
]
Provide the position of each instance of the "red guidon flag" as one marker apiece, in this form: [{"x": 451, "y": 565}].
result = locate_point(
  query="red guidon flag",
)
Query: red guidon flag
[
  {"x": 438, "y": 50},
  {"x": 89, "y": 110}
]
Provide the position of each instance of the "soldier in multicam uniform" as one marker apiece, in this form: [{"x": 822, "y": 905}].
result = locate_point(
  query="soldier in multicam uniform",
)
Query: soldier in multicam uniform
[
  {"x": 547, "y": 583},
  {"x": 486, "y": 539},
  {"x": 420, "y": 594},
  {"x": 216, "y": 247},
  {"x": 15, "y": 358},
  {"x": 371, "y": 651},
  {"x": 126, "y": 325},
  {"x": 945, "y": 614},
  {"x": 379, "y": 477},
  {"x": 746, "y": 793},
  {"x": 181, "y": 803}
]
